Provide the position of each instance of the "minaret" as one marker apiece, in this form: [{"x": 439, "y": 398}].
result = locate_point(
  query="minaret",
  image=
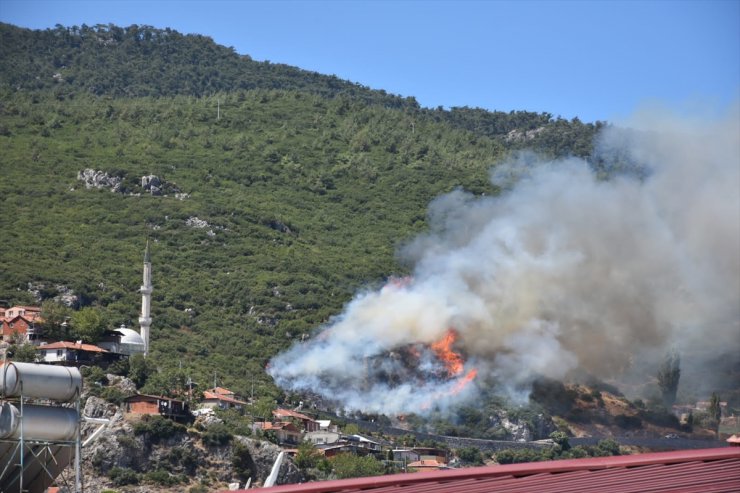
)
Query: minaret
[{"x": 145, "y": 320}]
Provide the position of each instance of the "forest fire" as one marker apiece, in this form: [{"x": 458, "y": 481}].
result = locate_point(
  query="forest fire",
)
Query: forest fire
[
  {"x": 520, "y": 276},
  {"x": 464, "y": 381},
  {"x": 453, "y": 361},
  {"x": 443, "y": 350},
  {"x": 454, "y": 366}
]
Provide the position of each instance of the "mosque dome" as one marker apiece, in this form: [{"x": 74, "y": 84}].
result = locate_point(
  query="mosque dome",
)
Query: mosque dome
[{"x": 129, "y": 336}]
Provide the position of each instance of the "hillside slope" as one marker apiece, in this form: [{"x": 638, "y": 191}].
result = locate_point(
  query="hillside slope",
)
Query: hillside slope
[{"x": 284, "y": 191}]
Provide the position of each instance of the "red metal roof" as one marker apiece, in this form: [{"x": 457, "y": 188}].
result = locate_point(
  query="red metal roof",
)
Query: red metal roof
[{"x": 683, "y": 471}]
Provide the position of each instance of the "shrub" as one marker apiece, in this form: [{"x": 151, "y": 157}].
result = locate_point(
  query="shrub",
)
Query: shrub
[
  {"x": 127, "y": 441},
  {"x": 235, "y": 422},
  {"x": 113, "y": 394},
  {"x": 577, "y": 452},
  {"x": 93, "y": 375},
  {"x": 307, "y": 456},
  {"x": 609, "y": 447},
  {"x": 184, "y": 457},
  {"x": 244, "y": 466},
  {"x": 162, "y": 477},
  {"x": 470, "y": 455},
  {"x": 352, "y": 466},
  {"x": 157, "y": 427},
  {"x": 561, "y": 439},
  {"x": 122, "y": 476},
  {"x": 512, "y": 456},
  {"x": 217, "y": 434}
]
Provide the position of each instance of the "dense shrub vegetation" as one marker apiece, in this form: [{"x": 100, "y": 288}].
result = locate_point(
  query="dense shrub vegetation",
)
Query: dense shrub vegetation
[{"x": 302, "y": 185}]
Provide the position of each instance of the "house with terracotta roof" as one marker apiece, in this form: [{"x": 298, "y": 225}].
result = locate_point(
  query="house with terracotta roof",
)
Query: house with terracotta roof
[
  {"x": 22, "y": 320},
  {"x": 307, "y": 423},
  {"x": 157, "y": 405},
  {"x": 285, "y": 432},
  {"x": 219, "y": 397},
  {"x": 73, "y": 353},
  {"x": 26, "y": 311},
  {"x": 426, "y": 465}
]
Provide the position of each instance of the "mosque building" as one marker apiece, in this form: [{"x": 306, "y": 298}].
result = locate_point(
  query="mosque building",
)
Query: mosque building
[{"x": 127, "y": 341}]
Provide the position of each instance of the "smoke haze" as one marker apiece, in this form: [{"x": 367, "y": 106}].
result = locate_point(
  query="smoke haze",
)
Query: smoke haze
[{"x": 562, "y": 270}]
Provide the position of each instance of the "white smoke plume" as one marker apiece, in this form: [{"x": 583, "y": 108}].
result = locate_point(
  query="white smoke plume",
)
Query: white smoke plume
[{"x": 563, "y": 269}]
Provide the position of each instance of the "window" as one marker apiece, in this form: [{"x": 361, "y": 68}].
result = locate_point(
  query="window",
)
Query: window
[{"x": 60, "y": 353}]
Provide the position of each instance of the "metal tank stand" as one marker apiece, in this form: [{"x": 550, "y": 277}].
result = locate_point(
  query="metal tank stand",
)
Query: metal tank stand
[{"x": 42, "y": 461}]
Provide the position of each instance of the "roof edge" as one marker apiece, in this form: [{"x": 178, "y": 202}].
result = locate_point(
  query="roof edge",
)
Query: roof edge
[{"x": 523, "y": 469}]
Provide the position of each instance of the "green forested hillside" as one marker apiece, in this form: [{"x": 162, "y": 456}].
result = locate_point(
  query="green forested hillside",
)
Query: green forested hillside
[{"x": 308, "y": 184}]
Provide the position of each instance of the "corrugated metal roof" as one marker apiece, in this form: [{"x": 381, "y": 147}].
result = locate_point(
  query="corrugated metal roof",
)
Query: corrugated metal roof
[{"x": 683, "y": 471}]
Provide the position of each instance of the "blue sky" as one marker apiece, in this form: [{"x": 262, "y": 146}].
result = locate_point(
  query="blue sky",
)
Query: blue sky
[{"x": 595, "y": 60}]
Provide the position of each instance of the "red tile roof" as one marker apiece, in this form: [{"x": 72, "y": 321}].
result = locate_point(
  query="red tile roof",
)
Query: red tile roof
[
  {"x": 31, "y": 318},
  {"x": 29, "y": 312},
  {"x": 149, "y": 397},
  {"x": 283, "y": 413},
  {"x": 278, "y": 426},
  {"x": 223, "y": 398},
  {"x": 686, "y": 471},
  {"x": 220, "y": 391},
  {"x": 426, "y": 465},
  {"x": 72, "y": 345}
]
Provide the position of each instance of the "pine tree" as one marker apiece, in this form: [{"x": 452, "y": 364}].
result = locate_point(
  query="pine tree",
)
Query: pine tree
[
  {"x": 668, "y": 377},
  {"x": 715, "y": 411}
]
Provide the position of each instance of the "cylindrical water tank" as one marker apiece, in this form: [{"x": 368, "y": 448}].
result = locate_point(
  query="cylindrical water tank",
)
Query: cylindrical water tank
[
  {"x": 41, "y": 423},
  {"x": 59, "y": 383}
]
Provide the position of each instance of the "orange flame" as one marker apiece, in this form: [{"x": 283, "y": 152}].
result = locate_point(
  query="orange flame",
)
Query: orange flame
[
  {"x": 443, "y": 350},
  {"x": 464, "y": 381}
]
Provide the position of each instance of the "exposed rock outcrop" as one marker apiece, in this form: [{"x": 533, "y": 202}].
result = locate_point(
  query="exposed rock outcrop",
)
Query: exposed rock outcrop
[
  {"x": 518, "y": 135},
  {"x": 521, "y": 430},
  {"x": 264, "y": 455},
  {"x": 197, "y": 223},
  {"x": 151, "y": 184},
  {"x": 64, "y": 295},
  {"x": 181, "y": 453},
  {"x": 99, "y": 179},
  {"x": 120, "y": 183}
]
